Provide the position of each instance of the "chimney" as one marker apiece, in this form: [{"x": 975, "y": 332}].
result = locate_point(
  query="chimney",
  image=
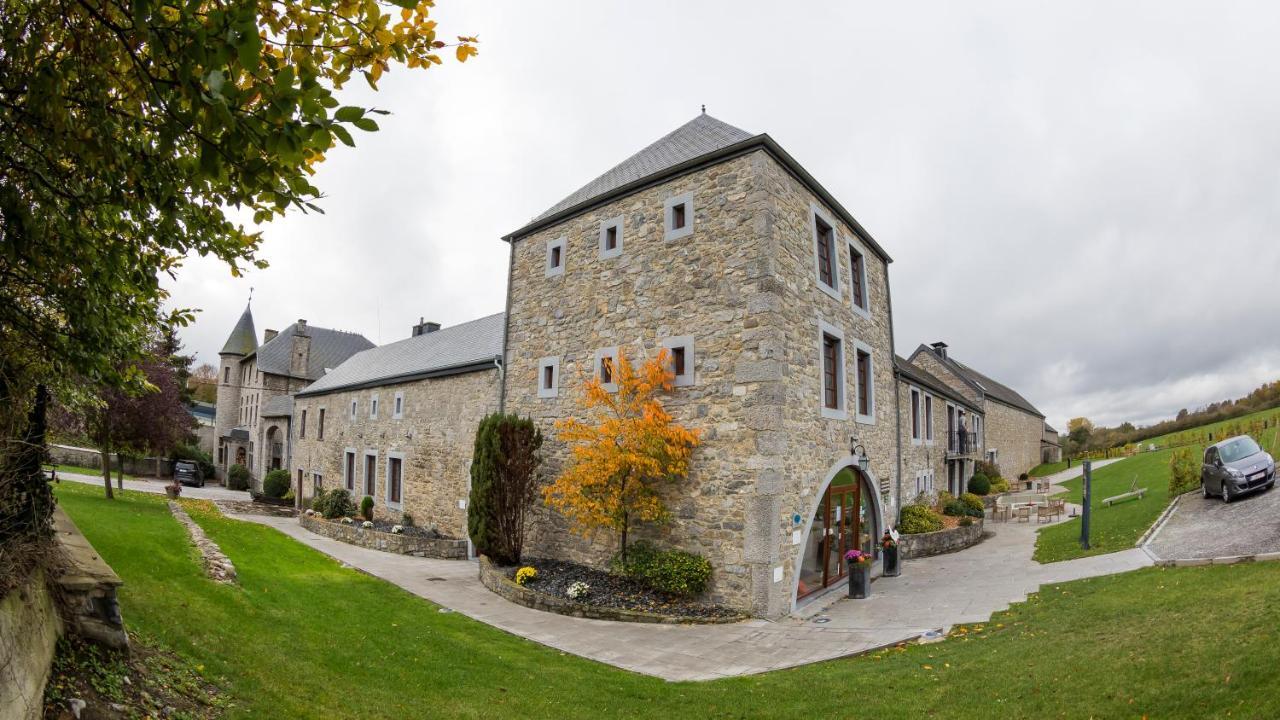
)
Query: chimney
[
  {"x": 423, "y": 327},
  {"x": 300, "y": 352},
  {"x": 940, "y": 349},
  {"x": 268, "y": 336}
]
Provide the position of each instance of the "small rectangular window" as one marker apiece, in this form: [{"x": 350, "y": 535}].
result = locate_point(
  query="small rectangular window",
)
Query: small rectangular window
[
  {"x": 320, "y": 425},
  {"x": 606, "y": 370},
  {"x": 349, "y": 468},
  {"x": 915, "y": 414},
  {"x": 317, "y": 480},
  {"x": 226, "y": 374},
  {"x": 548, "y": 377},
  {"x": 826, "y": 258},
  {"x": 395, "y": 466},
  {"x": 864, "y": 383},
  {"x": 677, "y": 217},
  {"x": 611, "y": 239},
  {"x": 373, "y": 407},
  {"x": 398, "y": 412},
  {"x": 302, "y": 426},
  {"x": 370, "y": 473},
  {"x": 555, "y": 257},
  {"x": 353, "y": 410},
  {"x": 677, "y": 360},
  {"x": 928, "y": 418},
  {"x": 830, "y": 372},
  {"x": 681, "y": 358},
  {"x": 857, "y": 277},
  {"x": 605, "y": 367}
]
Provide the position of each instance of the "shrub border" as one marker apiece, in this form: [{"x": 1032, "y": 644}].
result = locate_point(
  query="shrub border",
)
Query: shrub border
[
  {"x": 927, "y": 541},
  {"x": 438, "y": 548},
  {"x": 495, "y": 578}
]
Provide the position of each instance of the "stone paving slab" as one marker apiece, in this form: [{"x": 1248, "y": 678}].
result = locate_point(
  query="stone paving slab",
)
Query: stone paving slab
[{"x": 932, "y": 593}]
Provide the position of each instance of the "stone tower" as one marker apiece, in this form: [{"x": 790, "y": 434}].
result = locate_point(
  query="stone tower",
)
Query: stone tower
[{"x": 241, "y": 342}]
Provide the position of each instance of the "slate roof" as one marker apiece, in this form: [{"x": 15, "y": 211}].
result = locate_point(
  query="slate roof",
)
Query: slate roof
[
  {"x": 243, "y": 338},
  {"x": 329, "y": 349},
  {"x": 277, "y": 406},
  {"x": 997, "y": 390},
  {"x": 930, "y": 381},
  {"x": 445, "y": 351},
  {"x": 207, "y": 412},
  {"x": 700, "y": 136}
]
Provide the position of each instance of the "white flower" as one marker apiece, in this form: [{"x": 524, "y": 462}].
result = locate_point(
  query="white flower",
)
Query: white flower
[
  {"x": 578, "y": 590},
  {"x": 346, "y": 521},
  {"x": 310, "y": 512},
  {"x": 395, "y": 529},
  {"x": 366, "y": 525}
]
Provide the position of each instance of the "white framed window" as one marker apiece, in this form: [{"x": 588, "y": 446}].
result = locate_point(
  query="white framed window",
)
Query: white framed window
[
  {"x": 677, "y": 217},
  {"x": 397, "y": 409},
  {"x": 860, "y": 291},
  {"x": 555, "y": 257},
  {"x": 371, "y": 472},
  {"x": 373, "y": 406},
  {"x": 604, "y": 365},
  {"x": 394, "y": 491},
  {"x": 680, "y": 356},
  {"x": 353, "y": 409},
  {"x": 611, "y": 238},
  {"x": 826, "y": 263},
  {"x": 831, "y": 371},
  {"x": 548, "y": 377},
  {"x": 349, "y": 469},
  {"x": 915, "y": 417},
  {"x": 928, "y": 419},
  {"x": 864, "y": 374}
]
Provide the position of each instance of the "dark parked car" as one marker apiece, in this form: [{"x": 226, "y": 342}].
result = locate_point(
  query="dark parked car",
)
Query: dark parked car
[
  {"x": 188, "y": 473},
  {"x": 1234, "y": 466}
]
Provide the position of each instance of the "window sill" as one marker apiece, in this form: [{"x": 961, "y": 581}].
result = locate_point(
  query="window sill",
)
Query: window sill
[
  {"x": 866, "y": 419},
  {"x": 830, "y": 291},
  {"x": 839, "y": 414},
  {"x": 864, "y": 313}
]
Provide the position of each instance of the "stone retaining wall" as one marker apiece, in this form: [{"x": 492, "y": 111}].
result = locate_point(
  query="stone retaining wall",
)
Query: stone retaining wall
[
  {"x": 443, "y": 548},
  {"x": 495, "y": 578},
  {"x": 29, "y": 629},
  {"x": 941, "y": 542}
]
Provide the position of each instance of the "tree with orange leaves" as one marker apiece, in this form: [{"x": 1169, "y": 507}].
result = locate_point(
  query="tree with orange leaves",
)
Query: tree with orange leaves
[{"x": 627, "y": 448}]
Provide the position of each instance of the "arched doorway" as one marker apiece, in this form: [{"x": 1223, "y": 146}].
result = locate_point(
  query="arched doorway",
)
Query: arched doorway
[
  {"x": 240, "y": 455},
  {"x": 847, "y": 515},
  {"x": 276, "y": 447}
]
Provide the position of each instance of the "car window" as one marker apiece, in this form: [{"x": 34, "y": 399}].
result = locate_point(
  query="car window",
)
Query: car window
[
  {"x": 1237, "y": 449},
  {"x": 1209, "y": 456}
]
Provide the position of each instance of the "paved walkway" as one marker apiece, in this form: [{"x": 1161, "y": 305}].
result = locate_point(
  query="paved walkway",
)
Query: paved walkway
[
  {"x": 932, "y": 593},
  {"x": 1201, "y": 528},
  {"x": 208, "y": 492}
]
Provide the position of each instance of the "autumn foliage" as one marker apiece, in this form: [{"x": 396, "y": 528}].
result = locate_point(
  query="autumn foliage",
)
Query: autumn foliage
[{"x": 626, "y": 449}]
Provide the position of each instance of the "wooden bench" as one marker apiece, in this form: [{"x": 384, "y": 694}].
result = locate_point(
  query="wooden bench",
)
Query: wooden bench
[{"x": 1134, "y": 492}]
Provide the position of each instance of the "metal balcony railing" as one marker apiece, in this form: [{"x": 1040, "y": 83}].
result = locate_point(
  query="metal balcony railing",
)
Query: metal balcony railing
[{"x": 962, "y": 442}]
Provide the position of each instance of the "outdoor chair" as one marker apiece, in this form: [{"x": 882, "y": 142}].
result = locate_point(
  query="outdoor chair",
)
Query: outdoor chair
[
  {"x": 1059, "y": 507},
  {"x": 999, "y": 512},
  {"x": 1044, "y": 513},
  {"x": 1023, "y": 513}
]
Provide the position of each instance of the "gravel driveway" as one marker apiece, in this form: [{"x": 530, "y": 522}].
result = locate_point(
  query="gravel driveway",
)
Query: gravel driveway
[{"x": 1200, "y": 528}]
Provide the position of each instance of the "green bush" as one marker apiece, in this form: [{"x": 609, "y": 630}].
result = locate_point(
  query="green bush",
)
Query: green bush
[
  {"x": 960, "y": 508},
  {"x": 999, "y": 485},
  {"x": 990, "y": 469},
  {"x": 275, "y": 483},
  {"x": 504, "y": 481},
  {"x": 918, "y": 519},
  {"x": 312, "y": 502},
  {"x": 979, "y": 484},
  {"x": 238, "y": 477},
  {"x": 406, "y": 520},
  {"x": 966, "y": 521},
  {"x": 196, "y": 455},
  {"x": 973, "y": 502},
  {"x": 366, "y": 507},
  {"x": 1184, "y": 472},
  {"x": 333, "y": 504},
  {"x": 671, "y": 571}
]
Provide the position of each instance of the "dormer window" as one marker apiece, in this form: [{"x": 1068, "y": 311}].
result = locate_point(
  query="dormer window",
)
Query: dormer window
[
  {"x": 678, "y": 217},
  {"x": 555, "y": 257},
  {"x": 611, "y": 238}
]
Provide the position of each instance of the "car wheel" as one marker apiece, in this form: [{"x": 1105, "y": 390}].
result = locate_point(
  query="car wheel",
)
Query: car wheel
[
  {"x": 1204, "y": 490},
  {"x": 1226, "y": 492}
]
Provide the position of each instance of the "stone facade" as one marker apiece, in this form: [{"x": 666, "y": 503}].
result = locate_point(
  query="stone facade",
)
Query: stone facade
[
  {"x": 1050, "y": 446},
  {"x": 743, "y": 286},
  {"x": 929, "y": 465},
  {"x": 434, "y": 439},
  {"x": 1013, "y": 438}
]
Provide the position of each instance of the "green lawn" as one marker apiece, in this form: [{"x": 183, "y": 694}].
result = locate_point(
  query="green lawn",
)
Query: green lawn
[
  {"x": 303, "y": 637},
  {"x": 1216, "y": 428},
  {"x": 1046, "y": 469},
  {"x": 92, "y": 472},
  {"x": 1110, "y": 528}
]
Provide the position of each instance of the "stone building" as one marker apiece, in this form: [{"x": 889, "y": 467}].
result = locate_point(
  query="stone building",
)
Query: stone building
[
  {"x": 1010, "y": 427},
  {"x": 717, "y": 244},
  {"x": 249, "y": 427},
  {"x": 940, "y": 433},
  {"x": 1050, "y": 446},
  {"x": 397, "y": 423}
]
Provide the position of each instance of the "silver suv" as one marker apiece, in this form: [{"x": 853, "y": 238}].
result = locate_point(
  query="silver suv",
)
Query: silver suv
[{"x": 1234, "y": 466}]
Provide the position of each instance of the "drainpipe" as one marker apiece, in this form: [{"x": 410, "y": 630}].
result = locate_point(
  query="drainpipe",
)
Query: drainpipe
[
  {"x": 506, "y": 330},
  {"x": 897, "y": 402}
]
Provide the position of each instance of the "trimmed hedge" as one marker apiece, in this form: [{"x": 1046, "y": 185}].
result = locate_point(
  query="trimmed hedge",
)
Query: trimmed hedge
[
  {"x": 238, "y": 477},
  {"x": 275, "y": 483},
  {"x": 918, "y": 519},
  {"x": 974, "y": 503},
  {"x": 979, "y": 484},
  {"x": 366, "y": 507},
  {"x": 333, "y": 504},
  {"x": 671, "y": 571}
]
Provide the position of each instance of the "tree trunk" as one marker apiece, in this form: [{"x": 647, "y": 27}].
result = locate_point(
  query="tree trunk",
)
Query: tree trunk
[
  {"x": 625, "y": 523},
  {"x": 106, "y": 470},
  {"x": 120, "y": 470}
]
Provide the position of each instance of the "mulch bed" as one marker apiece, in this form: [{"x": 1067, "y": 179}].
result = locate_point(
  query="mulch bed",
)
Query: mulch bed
[
  {"x": 384, "y": 526},
  {"x": 615, "y": 591}
]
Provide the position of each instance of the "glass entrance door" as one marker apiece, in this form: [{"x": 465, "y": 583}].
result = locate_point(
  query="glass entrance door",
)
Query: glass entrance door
[{"x": 842, "y": 522}]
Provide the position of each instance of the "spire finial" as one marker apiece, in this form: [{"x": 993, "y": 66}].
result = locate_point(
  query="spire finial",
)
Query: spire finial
[
  {"x": 250, "y": 293},
  {"x": 704, "y": 108}
]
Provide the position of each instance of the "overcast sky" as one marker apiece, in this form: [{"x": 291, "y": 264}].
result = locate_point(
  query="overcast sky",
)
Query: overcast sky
[{"x": 1080, "y": 199}]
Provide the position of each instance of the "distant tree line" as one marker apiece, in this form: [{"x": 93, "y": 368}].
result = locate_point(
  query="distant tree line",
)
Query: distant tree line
[{"x": 1083, "y": 436}]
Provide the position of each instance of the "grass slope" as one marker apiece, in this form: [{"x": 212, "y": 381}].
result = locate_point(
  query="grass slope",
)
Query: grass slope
[
  {"x": 303, "y": 637},
  {"x": 1216, "y": 428},
  {"x": 1047, "y": 469}
]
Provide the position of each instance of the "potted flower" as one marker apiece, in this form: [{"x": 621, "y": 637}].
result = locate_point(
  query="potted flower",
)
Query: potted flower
[
  {"x": 859, "y": 573},
  {"x": 889, "y": 548},
  {"x": 173, "y": 489}
]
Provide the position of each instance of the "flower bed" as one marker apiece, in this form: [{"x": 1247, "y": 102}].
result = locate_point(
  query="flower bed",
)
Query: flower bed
[
  {"x": 944, "y": 541},
  {"x": 411, "y": 541},
  {"x": 607, "y": 596}
]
